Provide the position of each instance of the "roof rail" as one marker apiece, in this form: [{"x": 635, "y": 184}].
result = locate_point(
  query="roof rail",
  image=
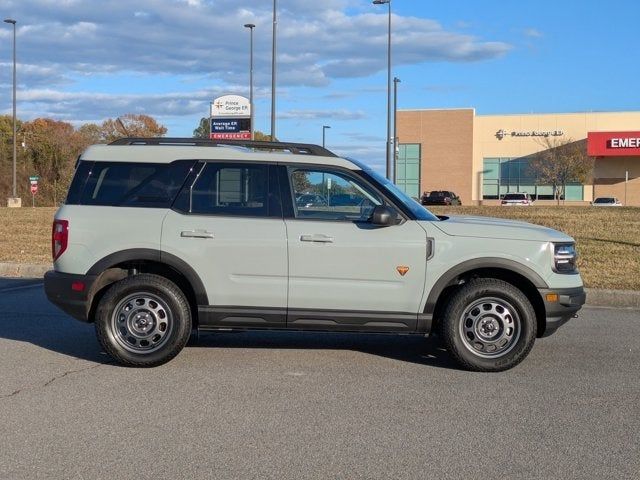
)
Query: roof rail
[{"x": 295, "y": 148}]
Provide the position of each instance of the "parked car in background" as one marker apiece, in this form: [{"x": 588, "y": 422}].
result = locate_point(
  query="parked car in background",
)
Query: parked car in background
[
  {"x": 606, "y": 202},
  {"x": 516, "y": 199},
  {"x": 311, "y": 200},
  {"x": 345, "y": 200},
  {"x": 440, "y": 197}
]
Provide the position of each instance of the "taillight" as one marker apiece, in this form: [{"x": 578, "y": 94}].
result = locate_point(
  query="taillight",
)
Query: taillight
[{"x": 59, "y": 238}]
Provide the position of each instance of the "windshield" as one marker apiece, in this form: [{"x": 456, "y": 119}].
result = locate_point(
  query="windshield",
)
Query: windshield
[
  {"x": 412, "y": 205},
  {"x": 604, "y": 200}
]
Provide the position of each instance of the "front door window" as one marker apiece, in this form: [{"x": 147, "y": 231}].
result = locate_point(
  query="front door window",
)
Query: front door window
[{"x": 324, "y": 195}]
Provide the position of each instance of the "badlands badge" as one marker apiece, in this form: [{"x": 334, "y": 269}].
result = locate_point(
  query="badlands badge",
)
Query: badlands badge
[{"x": 402, "y": 270}]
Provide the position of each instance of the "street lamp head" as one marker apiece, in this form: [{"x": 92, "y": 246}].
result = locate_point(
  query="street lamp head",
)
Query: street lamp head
[
  {"x": 326, "y": 126},
  {"x": 397, "y": 80},
  {"x": 381, "y": 2},
  {"x": 9, "y": 20},
  {"x": 249, "y": 25}
]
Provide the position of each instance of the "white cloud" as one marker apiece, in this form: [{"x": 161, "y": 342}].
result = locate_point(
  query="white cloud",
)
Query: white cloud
[
  {"x": 318, "y": 41},
  {"x": 85, "y": 106},
  {"x": 323, "y": 114},
  {"x": 64, "y": 45},
  {"x": 533, "y": 33}
]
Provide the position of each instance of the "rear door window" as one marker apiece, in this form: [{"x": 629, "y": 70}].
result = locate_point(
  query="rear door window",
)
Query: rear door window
[{"x": 232, "y": 189}]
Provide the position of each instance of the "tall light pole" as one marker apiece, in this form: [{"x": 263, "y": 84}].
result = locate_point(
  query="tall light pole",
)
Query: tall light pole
[
  {"x": 13, "y": 22},
  {"x": 273, "y": 71},
  {"x": 396, "y": 81},
  {"x": 324, "y": 136},
  {"x": 388, "y": 162},
  {"x": 251, "y": 26}
]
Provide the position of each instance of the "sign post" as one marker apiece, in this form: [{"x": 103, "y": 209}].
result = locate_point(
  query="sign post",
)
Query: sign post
[
  {"x": 33, "y": 180},
  {"x": 230, "y": 118},
  {"x": 626, "y": 180}
]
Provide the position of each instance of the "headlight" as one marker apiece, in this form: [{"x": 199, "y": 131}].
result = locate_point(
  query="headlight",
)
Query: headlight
[{"x": 564, "y": 258}]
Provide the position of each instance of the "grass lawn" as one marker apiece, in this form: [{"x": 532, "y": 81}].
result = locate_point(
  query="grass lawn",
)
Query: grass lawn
[
  {"x": 608, "y": 239},
  {"x": 25, "y": 235}
]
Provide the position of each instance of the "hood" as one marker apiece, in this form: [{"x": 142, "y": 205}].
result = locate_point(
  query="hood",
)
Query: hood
[{"x": 488, "y": 227}]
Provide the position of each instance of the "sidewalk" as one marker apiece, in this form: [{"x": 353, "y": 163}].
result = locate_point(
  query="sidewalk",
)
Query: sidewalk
[{"x": 595, "y": 297}]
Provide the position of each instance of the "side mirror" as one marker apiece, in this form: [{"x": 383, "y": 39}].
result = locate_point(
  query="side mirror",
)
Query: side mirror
[{"x": 384, "y": 216}]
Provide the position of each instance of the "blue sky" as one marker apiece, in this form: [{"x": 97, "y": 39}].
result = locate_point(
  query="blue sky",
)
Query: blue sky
[{"x": 169, "y": 58}]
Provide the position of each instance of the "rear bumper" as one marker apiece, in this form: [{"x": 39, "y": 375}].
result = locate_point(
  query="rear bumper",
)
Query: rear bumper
[
  {"x": 59, "y": 291},
  {"x": 570, "y": 301}
]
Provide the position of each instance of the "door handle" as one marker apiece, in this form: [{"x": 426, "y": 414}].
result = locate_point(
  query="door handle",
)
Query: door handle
[
  {"x": 316, "y": 238},
  {"x": 196, "y": 234}
]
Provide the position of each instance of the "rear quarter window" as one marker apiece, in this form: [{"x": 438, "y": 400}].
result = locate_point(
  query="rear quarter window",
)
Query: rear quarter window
[{"x": 149, "y": 185}]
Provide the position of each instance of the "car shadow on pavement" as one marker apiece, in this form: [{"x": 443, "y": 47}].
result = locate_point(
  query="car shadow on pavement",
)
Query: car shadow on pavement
[
  {"x": 26, "y": 316},
  {"x": 407, "y": 348}
]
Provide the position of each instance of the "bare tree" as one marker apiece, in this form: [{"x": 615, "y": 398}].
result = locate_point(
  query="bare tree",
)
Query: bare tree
[{"x": 562, "y": 161}]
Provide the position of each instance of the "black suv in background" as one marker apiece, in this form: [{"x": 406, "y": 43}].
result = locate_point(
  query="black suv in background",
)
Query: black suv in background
[{"x": 440, "y": 197}]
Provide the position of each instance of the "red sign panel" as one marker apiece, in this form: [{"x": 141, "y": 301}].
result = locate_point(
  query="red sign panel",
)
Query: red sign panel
[
  {"x": 613, "y": 144},
  {"x": 231, "y": 136},
  {"x": 34, "y": 188}
]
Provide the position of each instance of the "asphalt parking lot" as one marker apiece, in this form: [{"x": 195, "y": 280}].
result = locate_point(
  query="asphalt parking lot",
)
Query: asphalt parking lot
[{"x": 283, "y": 405}]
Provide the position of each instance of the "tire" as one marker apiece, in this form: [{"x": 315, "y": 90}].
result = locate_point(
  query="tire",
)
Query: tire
[
  {"x": 488, "y": 325},
  {"x": 143, "y": 321}
]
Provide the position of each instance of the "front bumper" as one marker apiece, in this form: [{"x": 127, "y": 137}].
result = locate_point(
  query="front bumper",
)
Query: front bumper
[
  {"x": 59, "y": 290},
  {"x": 570, "y": 300}
]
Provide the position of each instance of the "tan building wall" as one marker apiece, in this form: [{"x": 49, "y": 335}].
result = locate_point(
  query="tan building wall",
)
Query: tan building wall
[
  {"x": 453, "y": 160},
  {"x": 446, "y": 137},
  {"x": 609, "y": 174},
  {"x": 574, "y": 126}
]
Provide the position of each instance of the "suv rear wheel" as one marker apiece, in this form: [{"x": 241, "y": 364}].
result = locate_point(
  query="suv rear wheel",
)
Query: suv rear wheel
[
  {"x": 143, "y": 321},
  {"x": 488, "y": 325}
]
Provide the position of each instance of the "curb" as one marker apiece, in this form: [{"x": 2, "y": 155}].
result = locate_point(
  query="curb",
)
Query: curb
[
  {"x": 613, "y": 298},
  {"x": 595, "y": 297},
  {"x": 23, "y": 270}
]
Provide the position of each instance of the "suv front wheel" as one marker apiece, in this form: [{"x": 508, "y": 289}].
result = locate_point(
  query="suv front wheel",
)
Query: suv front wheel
[
  {"x": 488, "y": 325},
  {"x": 143, "y": 321}
]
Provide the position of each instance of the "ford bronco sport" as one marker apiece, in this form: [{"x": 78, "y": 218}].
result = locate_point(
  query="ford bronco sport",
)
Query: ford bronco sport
[{"x": 159, "y": 237}]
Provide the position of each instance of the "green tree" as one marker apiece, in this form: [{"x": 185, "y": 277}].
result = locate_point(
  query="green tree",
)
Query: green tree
[
  {"x": 90, "y": 134},
  {"x": 262, "y": 137},
  {"x": 203, "y": 129},
  {"x": 6, "y": 153},
  {"x": 51, "y": 148}
]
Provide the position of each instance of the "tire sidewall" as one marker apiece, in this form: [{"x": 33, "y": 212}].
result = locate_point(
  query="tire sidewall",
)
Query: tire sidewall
[
  {"x": 169, "y": 293},
  {"x": 470, "y": 293}
]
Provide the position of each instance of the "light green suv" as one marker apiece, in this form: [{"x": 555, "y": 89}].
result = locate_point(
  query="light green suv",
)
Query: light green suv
[{"x": 159, "y": 237}]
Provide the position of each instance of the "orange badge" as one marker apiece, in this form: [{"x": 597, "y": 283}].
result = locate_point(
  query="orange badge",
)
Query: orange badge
[{"x": 402, "y": 270}]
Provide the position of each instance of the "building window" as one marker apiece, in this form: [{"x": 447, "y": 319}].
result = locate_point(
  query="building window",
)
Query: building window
[
  {"x": 506, "y": 175},
  {"x": 408, "y": 169}
]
